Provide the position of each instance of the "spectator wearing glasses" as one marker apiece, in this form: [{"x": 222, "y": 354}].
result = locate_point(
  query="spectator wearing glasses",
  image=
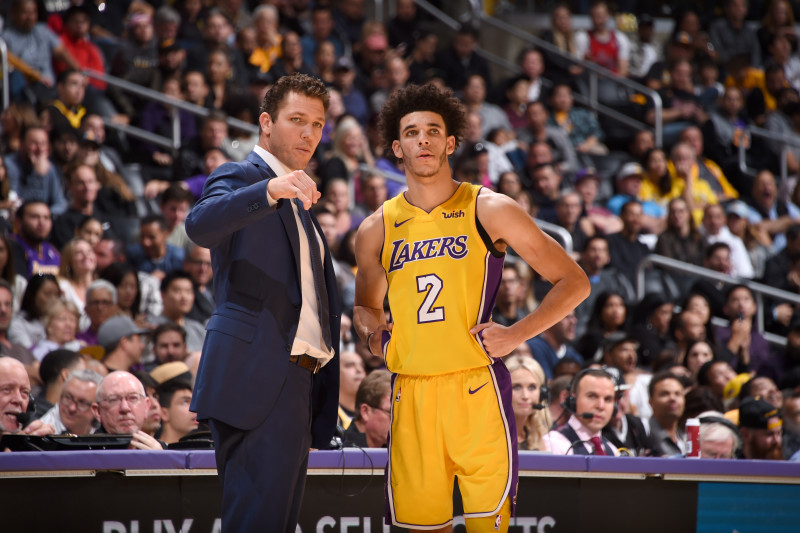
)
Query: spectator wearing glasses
[
  {"x": 73, "y": 413},
  {"x": 101, "y": 304},
  {"x": 54, "y": 371},
  {"x": 121, "y": 407},
  {"x": 370, "y": 427}
]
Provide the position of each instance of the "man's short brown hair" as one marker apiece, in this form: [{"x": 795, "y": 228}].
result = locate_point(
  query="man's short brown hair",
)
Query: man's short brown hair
[
  {"x": 295, "y": 83},
  {"x": 373, "y": 389}
]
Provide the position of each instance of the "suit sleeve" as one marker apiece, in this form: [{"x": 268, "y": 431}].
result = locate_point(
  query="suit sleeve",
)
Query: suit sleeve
[{"x": 227, "y": 205}]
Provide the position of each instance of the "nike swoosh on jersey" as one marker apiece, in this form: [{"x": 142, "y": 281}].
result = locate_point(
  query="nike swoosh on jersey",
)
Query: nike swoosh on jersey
[
  {"x": 479, "y": 388},
  {"x": 398, "y": 224}
]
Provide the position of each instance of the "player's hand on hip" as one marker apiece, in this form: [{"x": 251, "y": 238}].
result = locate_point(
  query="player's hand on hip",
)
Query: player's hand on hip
[
  {"x": 296, "y": 184},
  {"x": 376, "y": 339},
  {"x": 498, "y": 340}
]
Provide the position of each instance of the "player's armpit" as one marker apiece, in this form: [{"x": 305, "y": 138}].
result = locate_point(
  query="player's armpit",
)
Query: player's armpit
[{"x": 503, "y": 219}]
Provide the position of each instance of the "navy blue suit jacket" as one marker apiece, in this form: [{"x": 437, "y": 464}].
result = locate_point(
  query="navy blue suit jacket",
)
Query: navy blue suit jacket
[{"x": 255, "y": 256}]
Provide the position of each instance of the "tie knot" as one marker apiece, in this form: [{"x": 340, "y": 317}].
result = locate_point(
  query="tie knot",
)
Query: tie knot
[{"x": 597, "y": 443}]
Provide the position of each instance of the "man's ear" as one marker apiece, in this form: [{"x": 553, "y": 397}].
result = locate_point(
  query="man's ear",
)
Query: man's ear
[
  {"x": 265, "y": 121},
  {"x": 363, "y": 410},
  {"x": 398, "y": 152},
  {"x": 451, "y": 144}
]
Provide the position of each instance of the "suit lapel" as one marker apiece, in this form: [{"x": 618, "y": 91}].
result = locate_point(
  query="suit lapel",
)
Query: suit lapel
[{"x": 284, "y": 211}]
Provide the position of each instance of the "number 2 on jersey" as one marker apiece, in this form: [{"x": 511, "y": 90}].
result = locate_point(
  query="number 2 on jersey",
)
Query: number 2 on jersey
[{"x": 430, "y": 284}]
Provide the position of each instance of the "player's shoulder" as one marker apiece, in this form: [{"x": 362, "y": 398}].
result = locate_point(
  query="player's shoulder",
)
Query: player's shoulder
[
  {"x": 491, "y": 202},
  {"x": 372, "y": 226}
]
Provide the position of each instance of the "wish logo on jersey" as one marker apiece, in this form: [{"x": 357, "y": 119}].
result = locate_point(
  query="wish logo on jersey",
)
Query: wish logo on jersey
[
  {"x": 454, "y": 214},
  {"x": 406, "y": 252}
]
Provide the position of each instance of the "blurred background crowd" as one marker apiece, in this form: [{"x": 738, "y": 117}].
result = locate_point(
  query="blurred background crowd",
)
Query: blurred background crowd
[{"x": 626, "y": 129}]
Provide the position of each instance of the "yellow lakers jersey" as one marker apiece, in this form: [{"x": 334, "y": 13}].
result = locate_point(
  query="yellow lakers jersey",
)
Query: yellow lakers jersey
[{"x": 443, "y": 275}]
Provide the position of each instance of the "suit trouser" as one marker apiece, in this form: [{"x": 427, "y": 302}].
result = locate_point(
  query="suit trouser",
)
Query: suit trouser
[{"x": 263, "y": 470}]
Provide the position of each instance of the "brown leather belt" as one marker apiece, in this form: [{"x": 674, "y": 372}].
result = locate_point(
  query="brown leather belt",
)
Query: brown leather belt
[{"x": 312, "y": 364}]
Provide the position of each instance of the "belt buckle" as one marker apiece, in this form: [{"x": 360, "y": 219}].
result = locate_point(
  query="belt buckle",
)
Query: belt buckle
[{"x": 317, "y": 365}]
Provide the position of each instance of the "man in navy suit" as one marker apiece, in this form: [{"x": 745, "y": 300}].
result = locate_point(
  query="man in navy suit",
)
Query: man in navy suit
[{"x": 268, "y": 380}]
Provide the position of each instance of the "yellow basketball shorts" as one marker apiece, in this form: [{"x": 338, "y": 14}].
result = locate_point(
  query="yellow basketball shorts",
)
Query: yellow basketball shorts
[{"x": 458, "y": 425}]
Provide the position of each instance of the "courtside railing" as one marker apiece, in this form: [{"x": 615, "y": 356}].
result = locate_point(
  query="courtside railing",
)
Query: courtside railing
[
  {"x": 174, "y": 105},
  {"x": 759, "y": 289},
  {"x": 783, "y": 139},
  {"x": 4, "y": 73}
]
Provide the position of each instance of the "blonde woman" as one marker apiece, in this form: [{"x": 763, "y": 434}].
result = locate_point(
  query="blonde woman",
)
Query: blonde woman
[
  {"x": 77, "y": 271},
  {"x": 61, "y": 326},
  {"x": 527, "y": 378},
  {"x": 350, "y": 149}
]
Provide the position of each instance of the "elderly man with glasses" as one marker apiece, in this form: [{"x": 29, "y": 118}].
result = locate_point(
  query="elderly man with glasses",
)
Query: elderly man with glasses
[
  {"x": 121, "y": 407},
  {"x": 370, "y": 427},
  {"x": 73, "y": 412}
]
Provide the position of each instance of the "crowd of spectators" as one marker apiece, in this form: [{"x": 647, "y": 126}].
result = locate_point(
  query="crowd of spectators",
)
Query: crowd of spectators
[{"x": 95, "y": 260}]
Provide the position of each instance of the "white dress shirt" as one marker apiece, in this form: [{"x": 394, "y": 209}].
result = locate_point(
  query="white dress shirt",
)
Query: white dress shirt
[{"x": 308, "y": 339}]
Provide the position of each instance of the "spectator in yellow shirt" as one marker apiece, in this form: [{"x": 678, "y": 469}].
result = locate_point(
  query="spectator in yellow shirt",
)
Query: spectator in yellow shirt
[{"x": 682, "y": 180}]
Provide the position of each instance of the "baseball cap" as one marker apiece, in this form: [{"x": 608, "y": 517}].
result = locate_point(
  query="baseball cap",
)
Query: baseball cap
[
  {"x": 630, "y": 169},
  {"x": 586, "y": 173},
  {"x": 478, "y": 148},
  {"x": 171, "y": 370},
  {"x": 738, "y": 208},
  {"x": 89, "y": 138},
  {"x": 115, "y": 328},
  {"x": 343, "y": 63},
  {"x": 619, "y": 381},
  {"x": 645, "y": 20},
  {"x": 615, "y": 339},
  {"x": 757, "y": 413},
  {"x": 259, "y": 77},
  {"x": 682, "y": 37},
  {"x": 734, "y": 386},
  {"x": 168, "y": 45}
]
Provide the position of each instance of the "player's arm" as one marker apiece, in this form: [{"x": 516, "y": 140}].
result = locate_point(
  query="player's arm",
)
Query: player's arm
[
  {"x": 371, "y": 284},
  {"x": 508, "y": 224}
]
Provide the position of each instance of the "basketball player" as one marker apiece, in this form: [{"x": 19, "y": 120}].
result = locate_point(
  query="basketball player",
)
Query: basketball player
[{"x": 438, "y": 249}]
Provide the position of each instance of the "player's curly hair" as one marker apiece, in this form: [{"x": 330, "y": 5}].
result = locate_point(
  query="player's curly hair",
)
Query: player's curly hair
[
  {"x": 422, "y": 98},
  {"x": 298, "y": 83}
]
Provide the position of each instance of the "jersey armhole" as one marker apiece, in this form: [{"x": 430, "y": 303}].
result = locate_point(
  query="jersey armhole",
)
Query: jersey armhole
[
  {"x": 487, "y": 241},
  {"x": 383, "y": 229}
]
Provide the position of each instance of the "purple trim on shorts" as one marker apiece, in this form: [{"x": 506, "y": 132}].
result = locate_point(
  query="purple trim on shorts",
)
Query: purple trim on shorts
[
  {"x": 385, "y": 338},
  {"x": 386, "y": 474},
  {"x": 503, "y": 378}
]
